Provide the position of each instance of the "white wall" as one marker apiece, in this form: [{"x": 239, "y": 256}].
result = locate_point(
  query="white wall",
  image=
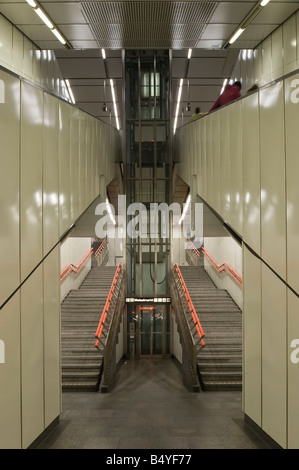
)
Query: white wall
[{"x": 73, "y": 251}]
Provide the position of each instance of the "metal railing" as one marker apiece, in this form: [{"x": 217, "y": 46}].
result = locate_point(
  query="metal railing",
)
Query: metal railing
[
  {"x": 101, "y": 253},
  {"x": 223, "y": 267},
  {"x": 108, "y": 327},
  {"x": 75, "y": 269},
  {"x": 189, "y": 327}
]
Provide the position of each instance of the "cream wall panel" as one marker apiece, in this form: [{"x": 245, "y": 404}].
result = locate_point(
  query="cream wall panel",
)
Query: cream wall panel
[
  {"x": 297, "y": 38},
  {"x": 272, "y": 145},
  {"x": 203, "y": 158},
  {"x": 32, "y": 357},
  {"x": 83, "y": 163},
  {"x": 50, "y": 172},
  {"x": 267, "y": 60},
  {"x": 28, "y": 59},
  {"x": 36, "y": 66},
  {"x": 289, "y": 44},
  {"x": 88, "y": 159},
  {"x": 215, "y": 160},
  {"x": 274, "y": 360},
  {"x": 224, "y": 164},
  {"x": 75, "y": 162},
  {"x": 258, "y": 66},
  {"x": 9, "y": 185},
  {"x": 6, "y": 42},
  {"x": 208, "y": 172},
  {"x": 251, "y": 171},
  {"x": 64, "y": 167},
  {"x": 293, "y": 375},
  {"x": 51, "y": 280},
  {"x": 17, "y": 50},
  {"x": 292, "y": 171},
  {"x": 277, "y": 54},
  {"x": 235, "y": 155},
  {"x": 252, "y": 337},
  {"x": 31, "y": 177},
  {"x": 10, "y": 376}
]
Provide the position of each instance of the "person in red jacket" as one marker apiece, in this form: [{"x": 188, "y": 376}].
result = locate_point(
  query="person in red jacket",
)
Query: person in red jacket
[{"x": 230, "y": 93}]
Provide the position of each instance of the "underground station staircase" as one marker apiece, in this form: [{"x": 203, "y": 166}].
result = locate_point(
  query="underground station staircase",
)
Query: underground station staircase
[
  {"x": 220, "y": 361},
  {"x": 80, "y": 314}
]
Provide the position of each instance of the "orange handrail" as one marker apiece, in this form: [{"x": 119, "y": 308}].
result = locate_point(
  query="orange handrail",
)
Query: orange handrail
[
  {"x": 194, "y": 248},
  {"x": 195, "y": 318},
  {"x": 72, "y": 268},
  {"x": 107, "y": 305},
  {"x": 102, "y": 245},
  {"x": 223, "y": 267}
]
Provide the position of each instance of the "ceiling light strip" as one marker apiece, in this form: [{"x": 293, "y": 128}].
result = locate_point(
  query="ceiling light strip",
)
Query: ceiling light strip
[
  {"x": 178, "y": 105},
  {"x": 114, "y": 103},
  {"x": 247, "y": 20},
  {"x": 48, "y": 22}
]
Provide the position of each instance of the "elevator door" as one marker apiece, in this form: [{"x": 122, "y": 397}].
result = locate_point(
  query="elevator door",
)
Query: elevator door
[{"x": 151, "y": 330}]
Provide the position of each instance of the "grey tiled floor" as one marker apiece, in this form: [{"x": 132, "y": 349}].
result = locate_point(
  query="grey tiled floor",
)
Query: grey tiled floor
[{"x": 150, "y": 408}]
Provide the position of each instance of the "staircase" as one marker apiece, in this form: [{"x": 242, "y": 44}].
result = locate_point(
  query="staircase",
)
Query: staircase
[
  {"x": 220, "y": 361},
  {"x": 80, "y": 314}
]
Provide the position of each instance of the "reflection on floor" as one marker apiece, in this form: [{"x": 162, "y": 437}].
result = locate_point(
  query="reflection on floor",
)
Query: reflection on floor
[{"x": 150, "y": 408}]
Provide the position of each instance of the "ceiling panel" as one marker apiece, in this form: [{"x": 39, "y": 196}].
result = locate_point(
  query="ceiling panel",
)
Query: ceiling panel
[{"x": 203, "y": 26}]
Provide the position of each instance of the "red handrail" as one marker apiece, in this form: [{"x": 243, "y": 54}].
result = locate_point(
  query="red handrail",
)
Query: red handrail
[
  {"x": 73, "y": 268},
  {"x": 223, "y": 267},
  {"x": 102, "y": 245},
  {"x": 107, "y": 305},
  {"x": 195, "y": 318}
]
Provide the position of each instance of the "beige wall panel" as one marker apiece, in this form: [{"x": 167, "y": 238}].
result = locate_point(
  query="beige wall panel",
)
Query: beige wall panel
[
  {"x": 224, "y": 164},
  {"x": 272, "y": 145},
  {"x": 277, "y": 54},
  {"x": 208, "y": 171},
  {"x": 251, "y": 172},
  {"x": 252, "y": 334},
  {"x": 83, "y": 163},
  {"x": 274, "y": 360},
  {"x": 31, "y": 177},
  {"x": 202, "y": 189},
  {"x": 93, "y": 159},
  {"x": 64, "y": 167},
  {"x": 215, "y": 160},
  {"x": 6, "y": 41},
  {"x": 75, "y": 162},
  {"x": 289, "y": 34},
  {"x": 18, "y": 50},
  {"x": 267, "y": 60},
  {"x": 235, "y": 154},
  {"x": 257, "y": 59},
  {"x": 51, "y": 267},
  {"x": 293, "y": 371},
  {"x": 297, "y": 37},
  {"x": 88, "y": 159},
  {"x": 36, "y": 66},
  {"x": 50, "y": 172},
  {"x": 292, "y": 172},
  {"x": 28, "y": 59},
  {"x": 32, "y": 357},
  {"x": 10, "y": 376},
  {"x": 9, "y": 185}
]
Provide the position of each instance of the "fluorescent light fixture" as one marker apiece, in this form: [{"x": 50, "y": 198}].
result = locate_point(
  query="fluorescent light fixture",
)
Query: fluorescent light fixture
[
  {"x": 236, "y": 35},
  {"x": 224, "y": 85},
  {"x": 58, "y": 35},
  {"x": 186, "y": 206},
  {"x": 32, "y": 3},
  {"x": 189, "y": 53},
  {"x": 104, "y": 54},
  {"x": 70, "y": 91},
  {"x": 264, "y": 2},
  {"x": 114, "y": 103},
  {"x": 44, "y": 17},
  {"x": 178, "y": 105},
  {"x": 110, "y": 211}
]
